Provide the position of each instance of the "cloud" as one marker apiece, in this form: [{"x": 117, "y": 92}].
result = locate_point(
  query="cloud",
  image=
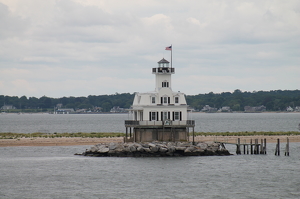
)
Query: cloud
[{"x": 76, "y": 47}]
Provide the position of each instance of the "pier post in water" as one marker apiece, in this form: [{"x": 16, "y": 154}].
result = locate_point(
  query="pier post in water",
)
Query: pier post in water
[
  {"x": 277, "y": 150},
  {"x": 238, "y": 147},
  {"x": 261, "y": 146},
  {"x": 256, "y": 146},
  {"x": 265, "y": 146},
  {"x": 287, "y": 147},
  {"x": 251, "y": 147},
  {"x": 247, "y": 149}
]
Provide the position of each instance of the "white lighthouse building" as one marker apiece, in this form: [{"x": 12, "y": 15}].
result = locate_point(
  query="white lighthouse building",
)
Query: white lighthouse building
[{"x": 160, "y": 115}]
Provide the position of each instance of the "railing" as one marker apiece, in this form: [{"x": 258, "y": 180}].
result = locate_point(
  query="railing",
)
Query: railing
[
  {"x": 163, "y": 70},
  {"x": 160, "y": 123}
]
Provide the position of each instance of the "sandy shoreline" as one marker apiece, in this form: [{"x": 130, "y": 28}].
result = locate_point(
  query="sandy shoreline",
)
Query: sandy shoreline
[{"x": 92, "y": 141}]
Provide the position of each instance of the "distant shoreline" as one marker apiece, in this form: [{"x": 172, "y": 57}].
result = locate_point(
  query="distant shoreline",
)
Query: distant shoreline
[{"x": 74, "y": 141}]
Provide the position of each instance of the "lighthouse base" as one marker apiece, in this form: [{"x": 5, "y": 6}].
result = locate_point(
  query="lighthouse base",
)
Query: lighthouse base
[{"x": 167, "y": 134}]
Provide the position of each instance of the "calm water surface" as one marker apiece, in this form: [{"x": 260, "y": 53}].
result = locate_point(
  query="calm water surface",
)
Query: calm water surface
[
  {"x": 217, "y": 122},
  {"x": 54, "y": 172}
]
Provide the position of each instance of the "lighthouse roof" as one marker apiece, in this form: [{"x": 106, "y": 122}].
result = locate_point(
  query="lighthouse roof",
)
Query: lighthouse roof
[{"x": 163, "y": 61}]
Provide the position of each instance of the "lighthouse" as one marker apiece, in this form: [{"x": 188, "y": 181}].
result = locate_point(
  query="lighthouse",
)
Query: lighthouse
[{"x": 159, "y": 115}]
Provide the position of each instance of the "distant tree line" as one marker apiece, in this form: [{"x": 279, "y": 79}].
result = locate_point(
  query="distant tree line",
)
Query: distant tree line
[
  {"x": 106, "y": 102},
  {"x": 276, "y": 100}
]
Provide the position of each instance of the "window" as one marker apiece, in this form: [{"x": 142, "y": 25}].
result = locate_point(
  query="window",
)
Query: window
[
  {"x": 153, "y": 100},
  {"x": 153, "y": 116},
  {"x": 165, "y": 116},
  {"x": 165, "y": 100},
  {"x": 176, "y": 115},
  {"x": 165, "y": 84},
  {"x": 176, "y": 100}
]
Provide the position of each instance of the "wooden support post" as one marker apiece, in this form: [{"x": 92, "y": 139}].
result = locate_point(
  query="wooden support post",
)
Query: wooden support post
[
  {"x": 251, "y": 147},
  {"x": 277, "y": 150},
  {"x": 188, "y": 133},
  {"x": 287, "y": 147},
  {"x": 255, "y": 146},
  {"x": 193, "y": 136},
  {"x": 261, "y": 146},
  {"x": 130, "y": 132},
  {"x": 238, "y": 145},
  {"x": 265, "y": 146},
  {"x": 126, "y": 135},
  {"x": 245, "y": 147}
]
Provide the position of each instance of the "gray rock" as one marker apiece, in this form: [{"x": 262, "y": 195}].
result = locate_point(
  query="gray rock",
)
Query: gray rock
[
  {"x": 140, "y": 149},
  {"x": 172, "y": 149},
  {"x": 103, "y": 150},
  {"x": 94, "y": 149},
  {"x": 154, "y": 149},
  {"x": 147, "y": 150},
  {"x": 178, "y": 148},
  {"x": 170, "y": 144},
  {"x": 189, "y": 149},
  {"x": 151, "y": 145},
  {"x": 112, "y": 146},
  {"x": 202, "y": 145},
  {"x": 163, "y": 149},
  {"x": 132, "y": 148},
  {"x": 145, "y": 145}
]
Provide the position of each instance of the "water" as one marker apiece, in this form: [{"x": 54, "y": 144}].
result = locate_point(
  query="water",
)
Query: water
[
  {"x": 217, "y": 122},
  {"x": 54, "y": 172}
]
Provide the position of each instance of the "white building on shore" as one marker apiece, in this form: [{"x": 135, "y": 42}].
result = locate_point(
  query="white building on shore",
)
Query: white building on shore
[{"x": 161, "y": 114}]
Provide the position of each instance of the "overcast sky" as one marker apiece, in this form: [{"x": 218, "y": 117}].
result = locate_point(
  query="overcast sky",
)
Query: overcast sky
[{"x": 93, "y": 47}]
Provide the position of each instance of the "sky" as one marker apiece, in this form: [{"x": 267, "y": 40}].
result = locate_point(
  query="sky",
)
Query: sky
[{"x": 58, "y": 48}]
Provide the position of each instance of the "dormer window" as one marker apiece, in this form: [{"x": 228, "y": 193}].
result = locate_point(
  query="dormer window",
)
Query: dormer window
[
  {"x": 165, "y": 100},
  {"x": 153, "y": 100},
  {"x": 165, "y": 84},
  {"x": 176, "y": 100}
]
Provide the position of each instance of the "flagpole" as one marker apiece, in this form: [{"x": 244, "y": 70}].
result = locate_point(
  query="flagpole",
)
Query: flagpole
[{"x": 171, "y": 55}]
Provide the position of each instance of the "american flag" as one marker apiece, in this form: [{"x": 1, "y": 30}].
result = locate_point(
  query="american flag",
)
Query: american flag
[{"x": 169, "y": 48}]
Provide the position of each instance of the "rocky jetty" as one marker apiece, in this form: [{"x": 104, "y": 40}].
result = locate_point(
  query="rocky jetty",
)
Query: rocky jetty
[{"x": 156, "y": 149}]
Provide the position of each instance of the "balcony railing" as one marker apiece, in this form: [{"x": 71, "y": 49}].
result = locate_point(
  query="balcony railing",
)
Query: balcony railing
[
  {"x": 163, "y": 70},
  {"x": 160, "y": 123}
]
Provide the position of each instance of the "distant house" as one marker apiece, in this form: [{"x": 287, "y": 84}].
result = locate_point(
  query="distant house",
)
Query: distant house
[
  {"x": 250, "y": 109},
  {"x": 225, "y": 109},
  {"x": 297, "y": 108},
  {"x": 209, "y": 109},
  {"x": 7, "y": 107},
  {"x": 289, "y": 109},
  {"x": 117, "y": 109},
  {"x": 65, "y": 111},
  {"x": 81, "y": 111},
  {"x": 97, "y": 109}
]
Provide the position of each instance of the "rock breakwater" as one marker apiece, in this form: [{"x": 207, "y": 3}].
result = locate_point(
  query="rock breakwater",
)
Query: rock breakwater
[{"x": 156, "y": 149}]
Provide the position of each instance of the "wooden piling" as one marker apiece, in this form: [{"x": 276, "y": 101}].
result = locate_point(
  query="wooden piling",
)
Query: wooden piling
[
  {"x": 238, "y": 147},
  {"x": 244, "y": 147},
  {"x": 256, "y": 146},
  {"x": 277, "y": 150},
  {"x": 265, "y": 146},
  {"x": 261, "y": 146},
  {"x": 287, "y": 148},
  {"x": 247, "y": 149},
  {"x": 251, "y": 147}
]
